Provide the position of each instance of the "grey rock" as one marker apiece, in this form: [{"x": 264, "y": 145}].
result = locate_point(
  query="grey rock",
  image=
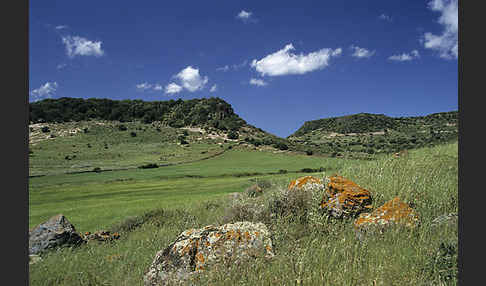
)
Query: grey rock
[
  {"x": 55, "y": 232},
  {"x": 197, "y": 250}
]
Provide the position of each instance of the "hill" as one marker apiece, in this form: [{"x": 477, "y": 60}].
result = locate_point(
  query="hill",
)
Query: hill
[
  {"x": 376, "y": 133},
  {"x": 169, "y": 124},
  {"x": 212, "y": 112},
  {"x": 70, "y": 135}
]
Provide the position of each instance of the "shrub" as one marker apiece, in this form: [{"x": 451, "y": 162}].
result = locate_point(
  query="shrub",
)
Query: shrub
[
  {"x": 281, "y": 146},
  {"x": 133, "y": 134},
  {"x": 97, "y": 169},
  {"x": 309, "y": 152},
  {"x": 282, "y": 171},
  {"x": 311, "y": 170},
  {"x": 233, "y": 135},
  {"x": 45, "y": 129},
  {"x": 149, "y": 166},
  {"x": 122, "y": 127}
]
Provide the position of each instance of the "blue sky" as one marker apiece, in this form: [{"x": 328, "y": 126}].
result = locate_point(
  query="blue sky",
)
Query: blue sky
[{"x": 278, "y": 63}]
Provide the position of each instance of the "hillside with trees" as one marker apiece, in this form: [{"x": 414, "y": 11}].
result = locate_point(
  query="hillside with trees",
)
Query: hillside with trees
[{"x": 212, "y": 112}]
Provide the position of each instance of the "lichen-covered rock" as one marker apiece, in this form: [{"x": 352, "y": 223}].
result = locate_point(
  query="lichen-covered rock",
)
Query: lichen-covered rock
[
  {"x": 55, "y": 232},
  {"x": 101, "y": 235},
  {"x": 344, "y": 198},
  {"x": 306, "y": 182},
  {"x": 196, "y": 250},
  {"x": 393, "y": 212}
]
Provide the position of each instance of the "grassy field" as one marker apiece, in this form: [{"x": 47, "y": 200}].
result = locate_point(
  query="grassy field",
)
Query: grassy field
[
  {"x": 165, "y": 201},
  {"x": 105, "y": 146},
  {"x": 97, "y": 200}
]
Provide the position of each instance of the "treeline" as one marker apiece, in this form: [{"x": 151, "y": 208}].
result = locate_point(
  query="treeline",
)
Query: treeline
[
  {"x": 213, "y": 112},
  {"x": 365, "y": 122}
]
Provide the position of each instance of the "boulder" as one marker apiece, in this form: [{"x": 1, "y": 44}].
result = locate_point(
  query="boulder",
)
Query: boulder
[
  {"x": 196, "y": 250},
  {"x": 55, "y": 232},
  {"x": 393, "y": 212},
  {"x": 305, "y": 183},
  {"x": 344, "y": 198}
]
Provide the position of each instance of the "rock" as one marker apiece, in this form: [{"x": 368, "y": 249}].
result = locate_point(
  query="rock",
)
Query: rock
[
  {"x": 450, "y": 218},
  {"x": 344, "y": 198},
  {"x": 254, "y": 191},
  {"x": 101, "y": 235},
  {"x": 305, "y": 183},
  {"x": 393, "y": 212},
  {"x": 196, "y": 250},
  {"x": 55, "y": 232}
]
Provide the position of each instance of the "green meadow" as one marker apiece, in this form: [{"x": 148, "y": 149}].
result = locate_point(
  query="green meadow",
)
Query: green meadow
[
  {"x": 97, "y": 200},
  {"x": 150, "y": 207}
]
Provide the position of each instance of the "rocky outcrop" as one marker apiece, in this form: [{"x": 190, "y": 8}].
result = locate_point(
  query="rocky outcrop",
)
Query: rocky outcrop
[
  {"x": 393, "y": 212},
  {"x": 55, "y": 232},
  {"x": 344, "y": 198},
  {"x": 196, "y": 250},
  {"x": 306, "y": 182}
]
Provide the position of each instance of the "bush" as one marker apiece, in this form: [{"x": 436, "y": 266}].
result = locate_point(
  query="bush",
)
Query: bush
[
  {"x": 149, "y": 166},
  {"x": 122, "y": 127},
  {"x": 45, "y": 129},
  {"x": 97, "y": 169},
  {"x": 133, "y": 134},
  {"x": 233, "y": 135},
  {"x": 282, "y": 171},
  {"x": 281, "y": 146},
  {"x": 309, "y": 152}
]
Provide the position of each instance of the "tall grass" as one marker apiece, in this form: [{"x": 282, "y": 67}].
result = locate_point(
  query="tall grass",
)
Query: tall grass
[{"x": 307, "y": 253}]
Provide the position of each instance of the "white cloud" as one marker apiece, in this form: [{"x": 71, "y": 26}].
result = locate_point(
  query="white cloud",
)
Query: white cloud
[
  {"x": 173, "y": 88},
  {"x": 238, "y": 66},
  {"x": 191, "y": 80},
  {"x": 60, "y": 27},
  {"x": 446, "y": 43},
  {"x": 81, "y": 46},
  {"x": 225, "y": 68},
  {"x": 361, "y": 52},
  {"x": 214, "y": 88},
  {"x": 234, "y": 66},
  {"x": 61, "y": 66},
  {"x": 385, "y": 17},
  {"x": 405, "y": 57},
  {"x": 246, "y": 17},
  {"x": 257, "y": 82},
  {"x": 282, "y": 62},
  {"x": 144, "y": 86},
  {"x": 45, "y": 91}
]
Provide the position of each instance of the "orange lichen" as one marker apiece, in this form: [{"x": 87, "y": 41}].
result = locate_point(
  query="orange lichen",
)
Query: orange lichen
[
  {"x": 344, "y": 194},
  {"x": 300, "y": 182},
  {"x": 338, "y": 184},
  {"x": 394, "y": 211},
  {"x": 200, "y": 257}
]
